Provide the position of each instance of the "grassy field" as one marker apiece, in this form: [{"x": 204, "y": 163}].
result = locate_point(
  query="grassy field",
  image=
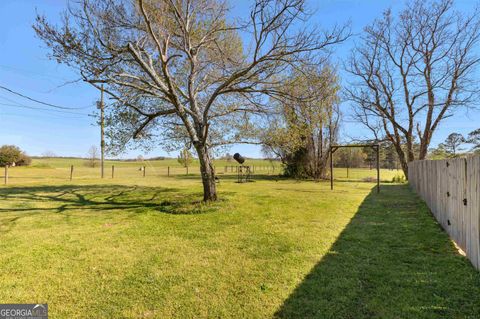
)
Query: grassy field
[
  {"x": 134, "y": 247},
  {"x": 57, "y": 170}
]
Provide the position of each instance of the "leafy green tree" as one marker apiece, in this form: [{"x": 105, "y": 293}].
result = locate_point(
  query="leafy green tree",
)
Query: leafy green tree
[
  {"x": 301, "y": 133},
  {"x": 349, "y": 157},
  {"x": 390, "y": 154},
  {"x": 452, "y": 144},
  {"x": 474, "y": 138},
  {"x": 438, "y": 152},
  {"x": 371, "y": 156},
  {"x": 13, "y": 155}
]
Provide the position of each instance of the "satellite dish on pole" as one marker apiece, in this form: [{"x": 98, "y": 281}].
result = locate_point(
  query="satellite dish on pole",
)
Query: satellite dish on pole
[{"x": 239, "y": 158}]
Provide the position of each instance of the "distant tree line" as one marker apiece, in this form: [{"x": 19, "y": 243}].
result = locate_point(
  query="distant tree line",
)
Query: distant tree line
[
  {"x": 456, "y": 145},
  {"x": 366, "y": 157}
]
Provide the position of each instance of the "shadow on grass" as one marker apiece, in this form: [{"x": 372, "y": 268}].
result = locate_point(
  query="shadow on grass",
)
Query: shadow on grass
[
  {"x": 98, "y": 198},
  {"x": 391, "y": 261},
  {"x": 232, "y": 177}
]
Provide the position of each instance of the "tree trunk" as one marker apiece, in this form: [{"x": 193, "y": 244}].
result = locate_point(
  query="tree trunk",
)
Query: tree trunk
[
  {"x": 404, "y": 160},
  {"x": 424, "y": 143},
  {"x": 208, "y": 174}
]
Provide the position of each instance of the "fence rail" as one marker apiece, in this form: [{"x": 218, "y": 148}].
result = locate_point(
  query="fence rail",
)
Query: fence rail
[
  {"x": 451, "y": 189},
  {"x": 27, "y": 175}
]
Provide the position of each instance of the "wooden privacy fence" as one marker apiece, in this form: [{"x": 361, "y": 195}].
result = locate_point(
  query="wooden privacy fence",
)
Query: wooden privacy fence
[{"x": 451, "y": 188}]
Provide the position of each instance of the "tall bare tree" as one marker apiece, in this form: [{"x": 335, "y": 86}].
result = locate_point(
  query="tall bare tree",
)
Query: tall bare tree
[
  {"x": 182, "y": 65},
  {"x": 92, "y": 156},
  {"x": 185, "y": 158},
  {"x": 414, "y": 70}
]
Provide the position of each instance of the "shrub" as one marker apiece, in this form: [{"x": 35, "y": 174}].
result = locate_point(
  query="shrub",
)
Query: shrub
[
  {"x": 398, "y": 179},
  {"x": 11, "y": 154},
  {"x": 24, "y": 160}
]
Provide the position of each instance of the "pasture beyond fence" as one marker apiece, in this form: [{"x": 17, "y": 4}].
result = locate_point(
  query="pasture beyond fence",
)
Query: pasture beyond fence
[
  {"x": 60, "y": 170},
  {"x": 451, "y": 189},
  {"x": 21, "y": 175}
]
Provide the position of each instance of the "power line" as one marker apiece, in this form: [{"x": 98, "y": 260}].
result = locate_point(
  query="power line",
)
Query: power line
[
  {"x": 41, "y": 109},
  {"x": 50, "y": 116},
  {"x": 41, "y": 102},
  {"x": 16, "y": 104}
]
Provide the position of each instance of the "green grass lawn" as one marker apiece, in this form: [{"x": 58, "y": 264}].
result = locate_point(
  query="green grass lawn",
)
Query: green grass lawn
[{"x": 134, "y": 247}]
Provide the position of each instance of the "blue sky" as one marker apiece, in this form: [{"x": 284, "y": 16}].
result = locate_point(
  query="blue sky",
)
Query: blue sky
[{"x": 24, "y": 67}]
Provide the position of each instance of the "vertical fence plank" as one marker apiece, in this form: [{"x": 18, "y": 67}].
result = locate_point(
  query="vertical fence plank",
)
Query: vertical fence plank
[{"x": 451, "y": 189}]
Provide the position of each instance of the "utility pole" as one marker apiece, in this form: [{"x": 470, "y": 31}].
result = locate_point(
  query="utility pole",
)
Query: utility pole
[{"x": 102, "y": 134}]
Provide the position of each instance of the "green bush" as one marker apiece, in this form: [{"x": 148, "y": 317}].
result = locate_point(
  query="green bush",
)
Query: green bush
[
  {"x": 10, "y": 154},
  {"x": 398, "y": 179}
]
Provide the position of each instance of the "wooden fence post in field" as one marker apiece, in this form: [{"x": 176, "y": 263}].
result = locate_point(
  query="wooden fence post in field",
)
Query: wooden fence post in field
[
  {"x": 113, "y": 171},
  {"x": 6, "y": 174},
  {"x": 71, "y": 172},
  {"x": 168, "y": 171},
  {"x": 143, "y": 171}
]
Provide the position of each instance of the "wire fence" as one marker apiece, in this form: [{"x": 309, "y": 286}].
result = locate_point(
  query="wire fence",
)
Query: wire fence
[
  {"x": 63, "y": 172},
  {"x": 26, "y": 175}
]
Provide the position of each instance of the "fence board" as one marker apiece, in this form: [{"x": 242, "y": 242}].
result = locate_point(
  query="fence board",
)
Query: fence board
[{"x": 451, "y": 189}]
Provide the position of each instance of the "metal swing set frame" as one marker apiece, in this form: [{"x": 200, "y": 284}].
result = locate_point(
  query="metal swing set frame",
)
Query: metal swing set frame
[{"x": 375, "y": 147}]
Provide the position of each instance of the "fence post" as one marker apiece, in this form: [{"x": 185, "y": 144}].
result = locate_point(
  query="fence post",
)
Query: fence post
[
  {"x": 168, "y": 171},
  {"x": 71, "y": 172},
  {"x": 6, "y": 174},
  {"x": 113, "y": 171},
  {"x": 143, "y": 171}
]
